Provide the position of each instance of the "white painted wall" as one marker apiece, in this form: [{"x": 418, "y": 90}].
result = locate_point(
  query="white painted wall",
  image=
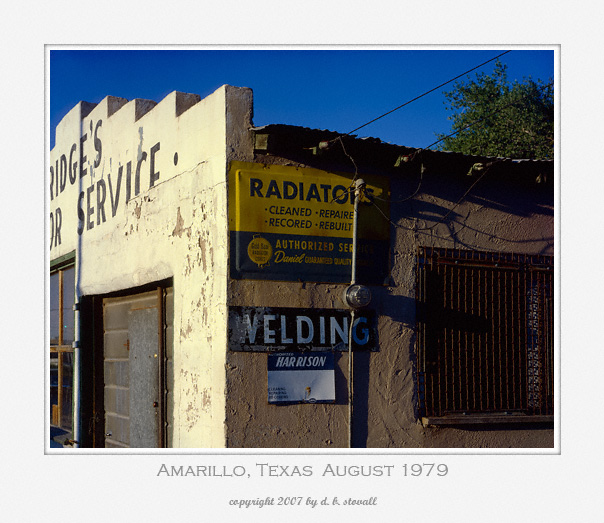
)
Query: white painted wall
[{"x": 175, "y": 227}]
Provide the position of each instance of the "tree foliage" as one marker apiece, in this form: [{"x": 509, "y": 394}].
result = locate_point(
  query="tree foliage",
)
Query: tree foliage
[{"x": 513, "y": 120}]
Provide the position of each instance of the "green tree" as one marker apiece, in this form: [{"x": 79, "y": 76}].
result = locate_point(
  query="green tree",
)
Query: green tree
[{"x": 513, "y": 120}]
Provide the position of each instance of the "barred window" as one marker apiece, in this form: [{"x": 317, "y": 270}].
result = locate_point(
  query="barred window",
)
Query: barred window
[{"x": 485, "y": 337}]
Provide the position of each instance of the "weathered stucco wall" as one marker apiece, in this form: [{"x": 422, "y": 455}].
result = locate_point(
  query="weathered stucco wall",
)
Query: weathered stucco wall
[
  {"x": 498, "y": 215},
  {"x": 141, "y": 193}
]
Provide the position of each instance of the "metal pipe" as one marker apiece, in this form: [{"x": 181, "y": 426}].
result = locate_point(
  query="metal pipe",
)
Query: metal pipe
[
  {"x": 358, "y": 187},
  {"x": 77, "y": 370},
  {"x": 77, "y": 417},
  {"x": 60, "y": 352},
  {"x": 355, "y": 218},
  {"x": 77, "y": 362},
  {"x": 350, "y": 380}
]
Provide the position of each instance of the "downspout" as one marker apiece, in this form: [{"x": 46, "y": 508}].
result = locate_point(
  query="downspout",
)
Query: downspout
[
  {"x": 77, "y": 370},
  {"x": 77, "y": 361},
  {"x": 358, "y": 187}
]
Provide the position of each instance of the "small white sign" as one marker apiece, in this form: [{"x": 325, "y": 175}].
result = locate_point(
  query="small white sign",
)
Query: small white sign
[{"x": 301, "y": 377}]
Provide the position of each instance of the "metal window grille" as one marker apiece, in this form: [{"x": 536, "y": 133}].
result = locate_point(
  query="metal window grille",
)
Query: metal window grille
[{"x": 485, "y": 335}]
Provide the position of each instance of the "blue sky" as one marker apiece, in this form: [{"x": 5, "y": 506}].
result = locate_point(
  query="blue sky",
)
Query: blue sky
[{"x": 337, "y": 89}]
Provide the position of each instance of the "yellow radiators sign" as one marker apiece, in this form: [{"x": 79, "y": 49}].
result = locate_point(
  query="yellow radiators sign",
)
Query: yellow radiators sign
[{"x": 289, "y": 223}]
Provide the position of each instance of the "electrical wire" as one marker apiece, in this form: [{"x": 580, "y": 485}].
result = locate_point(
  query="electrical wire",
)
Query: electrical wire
[
  {"x": 356, "y": 172},
  {"x": 417, "y": 189},
  {"x": 420, "y": 96},
  {"x": 477, "y": 121},
  {"x": 339, "y": 138},
  {"x": 443, "y": 218},
  {"x": 419, "y": 151}
]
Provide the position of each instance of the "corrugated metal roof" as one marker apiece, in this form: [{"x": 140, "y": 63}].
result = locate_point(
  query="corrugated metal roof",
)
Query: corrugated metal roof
[{"x": 318, "y": 135}]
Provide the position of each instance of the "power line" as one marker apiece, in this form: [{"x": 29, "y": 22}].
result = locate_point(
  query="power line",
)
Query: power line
[
  {"x": 339, "y": 138},
  {"x": 421, "y": 95},
  {"x": 477, "y": 121},
  {"x": 488, "y": 167},
  {"x": 418, "y": 151}
]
